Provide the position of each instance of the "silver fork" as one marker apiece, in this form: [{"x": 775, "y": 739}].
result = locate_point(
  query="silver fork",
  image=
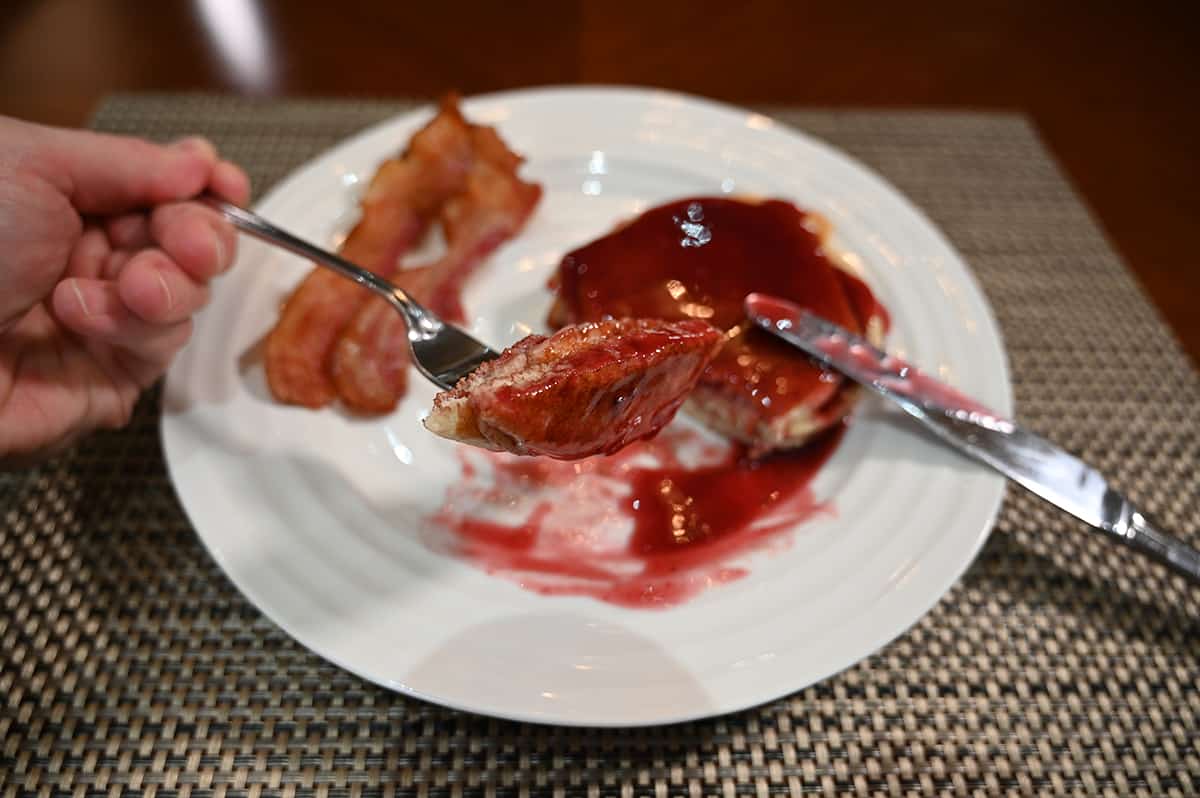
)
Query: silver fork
[{"x": 443, "y": 353}]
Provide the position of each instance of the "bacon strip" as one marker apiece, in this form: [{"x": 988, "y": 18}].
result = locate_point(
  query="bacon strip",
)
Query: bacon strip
[
  {"x": 404, "y": 197},
  {"x": 493, "y": 207},
  {"x": 372, "y": 383}
]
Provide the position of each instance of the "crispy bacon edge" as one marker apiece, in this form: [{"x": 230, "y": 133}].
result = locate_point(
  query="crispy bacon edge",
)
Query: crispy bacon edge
[
  {"x": 404, "y": 197},
  {"x": 369, "y": 361}
]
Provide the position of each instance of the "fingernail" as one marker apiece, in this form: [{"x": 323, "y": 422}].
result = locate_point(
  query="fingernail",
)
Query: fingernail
[
  {"x": 79, "y": 296},
  {"x": 166, "y": 289},
  {"x": 195, "y": 144}
]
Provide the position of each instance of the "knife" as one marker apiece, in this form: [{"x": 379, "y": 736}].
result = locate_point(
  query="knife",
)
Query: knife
[{"x": 1031, "y": 461}]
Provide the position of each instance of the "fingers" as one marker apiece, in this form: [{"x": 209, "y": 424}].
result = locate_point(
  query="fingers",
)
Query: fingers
[
  {"x": 195, "y": 237},
  {"x": 94, "y": 255},
  {"x": 104, "y": 174},
  {"x": 94, "y": 309},
  {"x": 157, "y": 290},
  {"x": 90, "y": 254},
  {"x": 230, "y": 182},
  {"x": 161, "y": 285},
  {"x": 114, "y": 263},
  {"x": 128, "y": 231}
]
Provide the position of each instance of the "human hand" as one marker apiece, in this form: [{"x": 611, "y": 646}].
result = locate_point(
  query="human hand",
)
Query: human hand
[{"x": 104, "y": 262}]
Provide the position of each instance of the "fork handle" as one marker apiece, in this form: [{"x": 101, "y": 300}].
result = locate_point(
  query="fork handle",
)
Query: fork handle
[{"x": 253, "y": 224}]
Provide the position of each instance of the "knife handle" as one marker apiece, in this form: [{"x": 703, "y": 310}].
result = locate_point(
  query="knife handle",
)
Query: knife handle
[{"x": 1145, "y": 536}]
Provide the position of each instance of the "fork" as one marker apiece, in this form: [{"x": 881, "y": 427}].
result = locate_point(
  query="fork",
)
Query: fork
[{"x": 443, "y": 352}]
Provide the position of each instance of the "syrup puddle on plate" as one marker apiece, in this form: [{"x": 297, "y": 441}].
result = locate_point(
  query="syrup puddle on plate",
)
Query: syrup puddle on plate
[{"x": 648, "y": 527}]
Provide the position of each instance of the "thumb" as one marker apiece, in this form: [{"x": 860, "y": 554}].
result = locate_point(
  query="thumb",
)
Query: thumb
[{"x": 104, "y": 174}]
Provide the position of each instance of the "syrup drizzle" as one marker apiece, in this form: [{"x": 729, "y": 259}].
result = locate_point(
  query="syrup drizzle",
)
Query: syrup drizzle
[
  {"x": 698, "y": 258},
  {"x": 649, "y": 527}
]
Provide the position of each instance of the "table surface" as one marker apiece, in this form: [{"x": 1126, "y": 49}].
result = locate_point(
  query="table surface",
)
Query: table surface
[
  {"x": 1111, "y": 86},
  {"x": 1058, "y": 665}
]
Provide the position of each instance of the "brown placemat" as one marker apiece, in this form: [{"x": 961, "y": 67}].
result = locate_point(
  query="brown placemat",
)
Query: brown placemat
[{"x": 1059, "y": 665}]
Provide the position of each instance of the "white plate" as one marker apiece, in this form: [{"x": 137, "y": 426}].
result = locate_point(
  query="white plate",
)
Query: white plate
[{"x": 315, "y": 515}]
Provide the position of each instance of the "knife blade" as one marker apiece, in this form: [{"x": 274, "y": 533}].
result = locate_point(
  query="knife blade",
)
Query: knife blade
[{"x": 1031, "y": 461}]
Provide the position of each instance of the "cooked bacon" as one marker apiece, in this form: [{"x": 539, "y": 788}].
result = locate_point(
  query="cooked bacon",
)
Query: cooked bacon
[
  {"x": 372, "y": 384},
  {"x": 492, "y": 207},
  {"x": 589, "y": 389},
  {"x": 404, "y": 197}
]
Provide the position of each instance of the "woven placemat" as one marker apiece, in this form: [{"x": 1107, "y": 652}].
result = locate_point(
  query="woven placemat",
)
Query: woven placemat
[{"x": 1059, "y": 665}]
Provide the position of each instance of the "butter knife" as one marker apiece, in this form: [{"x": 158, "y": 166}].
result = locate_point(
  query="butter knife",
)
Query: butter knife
[{"x": 1031, "y": 461}]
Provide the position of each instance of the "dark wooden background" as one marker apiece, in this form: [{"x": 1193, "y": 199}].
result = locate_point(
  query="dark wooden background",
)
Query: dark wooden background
[{"x": 1114, "y": 87}]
